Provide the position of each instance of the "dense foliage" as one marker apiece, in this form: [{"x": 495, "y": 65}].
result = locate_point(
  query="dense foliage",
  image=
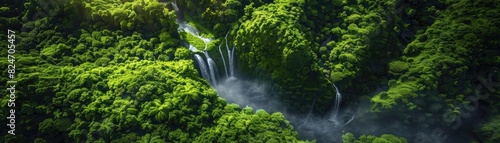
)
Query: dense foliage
[
  {"x": 119, "y": 71},
  {"x": 385, "y": 138},
  {"x": 419, "y": 58},
  {"x": 438, "y": 66},
  {"x": 271, "y": 42},
  {"x": 121, "y": 75}
]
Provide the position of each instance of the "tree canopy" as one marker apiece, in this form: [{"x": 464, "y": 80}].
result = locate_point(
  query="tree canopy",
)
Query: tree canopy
[{"x": 120, "y": 71}]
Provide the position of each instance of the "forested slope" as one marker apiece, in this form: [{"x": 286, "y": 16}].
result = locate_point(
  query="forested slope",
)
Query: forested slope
[
  {"x": 119, "y": 70},
  {"x": 115, "y": 71}
]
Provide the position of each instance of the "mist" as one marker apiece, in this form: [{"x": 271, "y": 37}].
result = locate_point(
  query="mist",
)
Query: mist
[
  {"x": 260, "y": 95},
  {"x": 254, "y": 94}
]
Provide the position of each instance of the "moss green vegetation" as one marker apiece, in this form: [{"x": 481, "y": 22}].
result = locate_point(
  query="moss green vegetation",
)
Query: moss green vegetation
[
  {"x": 119, "y": 76},
  {"x": 212, "y": 17},
  {"x": 397, "y": 67},
  {"x": 116, "y": 71},
  {"x": 271, "y": 45},
  {"x": 246, "y": 126},
  {"x": 197, "y": 42},
  {"x": 193, "y": 40},
  {"x": 427, "y": 56},
  {"x": 148, "y": 15},
  {"x": 489, "y": 131},
  {"x": 385, "y": 138},
  {"x": 437, "y": 66}
]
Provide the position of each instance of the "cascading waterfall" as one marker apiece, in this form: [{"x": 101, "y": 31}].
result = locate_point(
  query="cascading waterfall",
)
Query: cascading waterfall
[
  {"x": 350, "y": 120},
  {"x": 210, "y": 74},
  {"x": 231, "y": 63},
  {"x": 337, "y": 102},
  {"x": 336, "y": 108},
  {"x": 230, "y": 54},
  {"x": 223, "y": 60},
  {"x": 202, "y": 65},
  {"x": 212, "y": 67},
  {"x": 184, "y": 26}
]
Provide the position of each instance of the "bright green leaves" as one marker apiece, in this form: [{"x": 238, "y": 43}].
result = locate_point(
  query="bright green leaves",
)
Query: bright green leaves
[
  {"x": 360, "y": 35},
  {"x": 397, "y": 67},
  {"x": 104, "y": 47},
  {"x": 274, "y": 36},
  {"x": 124, "y": 112},
  {"x": 51, "y": 51},
  {"x": 212, "y": 17},
  {"x": 182, "y": 53},
  {"x": 387, "y": 100},
  {"x": 111, "y": 82},
  {"x": 161, "y": 110},
  {"x": 348, "y": 138},
  {"x": 248, "y": 127},
  {"x": 193, "y": 40},
  {"x": 167, "y": 39},
  {"x": 271, "y": 44},
  {"x": 385, "y": 138},
  {"x": 169, "y": 92},
  {"x": 337, "y": 76},
  {"x": 148, "y": 138},
  {"x": 147, "y": 15},
  {"x": 435, "y": 68}
]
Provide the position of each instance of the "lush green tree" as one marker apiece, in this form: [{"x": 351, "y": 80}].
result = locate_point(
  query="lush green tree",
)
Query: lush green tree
[
  {"x": 271, "y": 45},
  {"x": 385, "y": 138},
  {"x": 440, "y": 66},
  {"x": 489, "y": 130},
  {"x": 248, "y": 127},
  {"x": 115, "y": 71},
  {"x": 212, "y": 17}
]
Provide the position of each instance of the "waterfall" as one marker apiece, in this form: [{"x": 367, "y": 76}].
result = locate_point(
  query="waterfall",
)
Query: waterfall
[
  {"x": 352, "y": 118},
  {"x": 223, "y": 60},
  {"x": 230, "y": 54},
  {"x": 212, "y": 67},
  {"x": 254, "y": 94},
  {"x": 184, "y": 26},
  {"x": 337, "y": 102},
  {"x": 202, "y": 65},
  {"x": 231, "y": 63},
  {"x": 210, "y": 74},
  {"x": 175, "y": 6},
  {"x": 192, "y": 48}
]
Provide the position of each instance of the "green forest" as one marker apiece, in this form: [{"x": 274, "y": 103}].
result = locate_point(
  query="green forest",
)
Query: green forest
[{"x": 119, "y": 71}]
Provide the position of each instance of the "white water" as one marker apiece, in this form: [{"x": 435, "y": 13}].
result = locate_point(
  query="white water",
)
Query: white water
[
  {"x": 231, "y": 63},
  {"x": 337, "y": 102},
  {"x": 192, "y": 48},
  {"x": 213, "y": 69},
  {"x": 210, "y": 74},
  {"x": 185, "y": 27},
  {"x": 350, "y": 120},
  {"x": 230, "y": 54},
  {"x": 223, "y": 60},
  {"x": 202, "y": 65}
]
